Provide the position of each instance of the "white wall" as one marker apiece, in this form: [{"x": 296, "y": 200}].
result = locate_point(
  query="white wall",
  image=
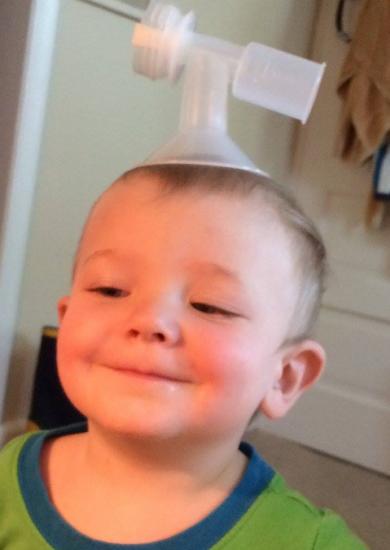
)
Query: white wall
[{"x": 101, "y": 120}]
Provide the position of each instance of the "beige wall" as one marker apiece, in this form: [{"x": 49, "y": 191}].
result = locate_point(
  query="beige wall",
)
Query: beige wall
[{"x": 101, "y": 120}]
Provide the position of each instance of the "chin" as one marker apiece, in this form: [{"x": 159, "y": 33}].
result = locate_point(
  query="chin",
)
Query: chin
[{"x": 137, "y": 424}]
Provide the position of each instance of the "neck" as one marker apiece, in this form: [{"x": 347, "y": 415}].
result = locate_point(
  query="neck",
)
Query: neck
[
  {"x": 166, "y": 465},
  {"x": 139, "y": 479}
]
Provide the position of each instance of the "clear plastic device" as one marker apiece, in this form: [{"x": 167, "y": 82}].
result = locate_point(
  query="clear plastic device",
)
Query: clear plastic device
[{"x": 166, "y": 45}]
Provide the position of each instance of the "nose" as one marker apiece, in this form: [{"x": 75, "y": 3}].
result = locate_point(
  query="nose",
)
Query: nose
[{"x": 154, "y": 323}]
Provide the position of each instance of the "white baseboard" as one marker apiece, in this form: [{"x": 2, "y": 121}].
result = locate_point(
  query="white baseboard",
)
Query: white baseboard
[
  {"x": 10, "y": 429},
  {"x": 340, "y": 423}
]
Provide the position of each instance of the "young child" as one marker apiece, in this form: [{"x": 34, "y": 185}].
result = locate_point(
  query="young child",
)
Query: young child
[{"x": 193, "y": 296}]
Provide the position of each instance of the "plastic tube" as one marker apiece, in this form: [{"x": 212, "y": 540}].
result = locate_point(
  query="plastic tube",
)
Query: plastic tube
[
  {"x": 278, "y": 81},
  {"x": 205, "y": 92},
  {"x": 165, "y": 43}
]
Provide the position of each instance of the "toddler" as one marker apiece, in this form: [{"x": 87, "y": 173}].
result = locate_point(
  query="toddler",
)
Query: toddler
[{"x": 193, "y": 296}]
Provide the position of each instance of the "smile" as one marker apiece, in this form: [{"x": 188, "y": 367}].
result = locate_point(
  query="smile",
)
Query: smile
[{"x": 147, "y": 375}]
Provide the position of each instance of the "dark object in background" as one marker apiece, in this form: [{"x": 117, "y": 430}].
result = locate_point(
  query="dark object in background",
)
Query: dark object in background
[
  {"x": 340, "y": 22},
  {"x": 50, "y": 408}
]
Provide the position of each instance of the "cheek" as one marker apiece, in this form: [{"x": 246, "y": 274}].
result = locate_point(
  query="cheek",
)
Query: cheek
[
  {"x": 76, "y": 345},
  {"x": 227, "y": 355},
  {"x": 88, "y": 322},
  {"x": 77, "y": 336}
]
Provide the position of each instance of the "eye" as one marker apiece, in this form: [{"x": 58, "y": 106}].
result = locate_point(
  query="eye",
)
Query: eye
[
  {"x": 211, "y": 310},
  {"x": 110, "y": 291}
]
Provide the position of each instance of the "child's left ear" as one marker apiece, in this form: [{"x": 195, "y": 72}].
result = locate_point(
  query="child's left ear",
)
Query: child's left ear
[{"x": 300, "y": 367}]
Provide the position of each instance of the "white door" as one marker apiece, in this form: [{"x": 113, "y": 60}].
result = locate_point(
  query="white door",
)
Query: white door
[{"x": 348, "y": 414}]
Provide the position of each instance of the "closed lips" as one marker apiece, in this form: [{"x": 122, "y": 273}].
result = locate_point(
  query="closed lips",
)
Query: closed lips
[{"x": 158, "y": 375}]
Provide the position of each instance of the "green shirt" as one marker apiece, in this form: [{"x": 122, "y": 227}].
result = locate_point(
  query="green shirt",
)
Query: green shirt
[{"x": 261, "y": 513}]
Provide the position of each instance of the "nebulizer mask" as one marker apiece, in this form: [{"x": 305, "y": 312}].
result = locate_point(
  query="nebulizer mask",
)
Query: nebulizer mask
[{"x": 166, "y": 46}]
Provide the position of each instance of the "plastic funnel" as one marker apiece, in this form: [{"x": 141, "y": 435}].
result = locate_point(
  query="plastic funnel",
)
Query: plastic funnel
[{"x": 204, "y": 147}]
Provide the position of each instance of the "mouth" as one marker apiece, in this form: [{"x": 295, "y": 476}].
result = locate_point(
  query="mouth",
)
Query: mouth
[{"x": 148, "y": 375}]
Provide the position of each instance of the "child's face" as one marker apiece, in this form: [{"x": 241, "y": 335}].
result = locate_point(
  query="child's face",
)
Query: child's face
[{"x": 178, "y": 309}]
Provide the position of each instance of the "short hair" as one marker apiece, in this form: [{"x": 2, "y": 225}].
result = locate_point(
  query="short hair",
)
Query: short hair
[{"x": 307, "y": 245}]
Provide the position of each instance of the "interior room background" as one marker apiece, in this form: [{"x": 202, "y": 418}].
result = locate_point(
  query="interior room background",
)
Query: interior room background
[{"x": 75, "y": 116}]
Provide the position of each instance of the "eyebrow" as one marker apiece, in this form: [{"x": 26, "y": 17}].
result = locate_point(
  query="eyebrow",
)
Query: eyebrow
[
  {"x": 98, "y": 254},
  {"x": 214, "y": 268},
  {"x": 211, "y": 268}
]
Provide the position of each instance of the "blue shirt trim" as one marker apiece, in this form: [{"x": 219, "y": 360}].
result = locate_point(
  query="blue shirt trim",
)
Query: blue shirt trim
[{"x": 203, "y": 535}]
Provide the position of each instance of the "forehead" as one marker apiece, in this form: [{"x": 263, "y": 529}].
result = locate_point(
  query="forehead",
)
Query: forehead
[
  {"x": 192, "y": 235},
  {"x": 143, "y": 203},
  {"x": 140, "y": 221}
]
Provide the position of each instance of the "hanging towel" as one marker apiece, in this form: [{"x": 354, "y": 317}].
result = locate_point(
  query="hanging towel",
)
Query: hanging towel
[{"x": 364, "y": 85}]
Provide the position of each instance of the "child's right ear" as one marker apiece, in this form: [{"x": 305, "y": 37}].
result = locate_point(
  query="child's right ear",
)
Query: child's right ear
[{"x": 62, "y": 306}]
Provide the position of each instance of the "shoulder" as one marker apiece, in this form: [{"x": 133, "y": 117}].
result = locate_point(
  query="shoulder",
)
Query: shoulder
[
  {"x": 20, "y": 490},
  {"x": 333, "y": 533},
  {"x": 10, "y": 457},
  {"x": 9, "y": 454},
  {"x": 21, "y": 455},
  {"x": 317, "y": 528},
  {"x": 12, "y": 510},
  {"x": 282, "y": 518}
]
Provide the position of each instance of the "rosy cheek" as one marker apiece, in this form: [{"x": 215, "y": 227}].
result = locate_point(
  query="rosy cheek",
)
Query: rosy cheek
[
  {"x": 223, "y": 355},
  {"x": 77, "y": 335}
]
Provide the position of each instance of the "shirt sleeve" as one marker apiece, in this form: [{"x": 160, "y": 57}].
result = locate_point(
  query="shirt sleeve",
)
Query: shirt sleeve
[{"x": 334, "y": 534}]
